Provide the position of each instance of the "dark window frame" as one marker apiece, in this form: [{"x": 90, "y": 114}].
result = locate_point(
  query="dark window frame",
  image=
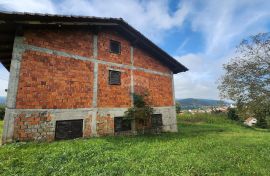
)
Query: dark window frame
[
  {"x": 64, "y": 129},
  {"x": 111, "y": 80},
  {"x": 125, "y": 124},
  {"x": 119, "y": 47},
  {"x": 156, "y": 120}
]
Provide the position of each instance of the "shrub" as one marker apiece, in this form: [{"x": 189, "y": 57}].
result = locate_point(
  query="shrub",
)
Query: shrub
[
  {"x": 178, "y": 107},
  {"x": 262, "y": 123},
  {"x": 2, "y": 112},
  {"x": 141, "y": 109},
  {"x": 232, "y": 114}
]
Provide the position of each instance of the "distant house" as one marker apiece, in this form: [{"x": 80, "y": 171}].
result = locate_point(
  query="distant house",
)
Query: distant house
[
  {"x": 250, "y": 121},
  {"x": 74, "y": 76}
]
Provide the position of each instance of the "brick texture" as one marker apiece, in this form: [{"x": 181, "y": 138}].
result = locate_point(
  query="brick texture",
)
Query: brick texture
[
  {"x": 104, "y": 48},
  {"x": 49, "y": 82},
  {"x": 144, "y": 60},
  {"x": 105, "y": 125},
  {"x": 70, "y": 41},
  {"x": 113, "y": 95},
  {"x": 158, "y": 87},
  {"x": 36, "y": 126}
]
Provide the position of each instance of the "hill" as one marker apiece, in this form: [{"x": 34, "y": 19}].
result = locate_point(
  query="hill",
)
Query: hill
[
  {"x": 194, "y": 103},
  {"x": 205, "y": 145}
]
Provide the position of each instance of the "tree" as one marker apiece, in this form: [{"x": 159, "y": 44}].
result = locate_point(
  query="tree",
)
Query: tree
[
  {"x": 2, "y": 112},
  {"x": 141, "y": 111},
  {"x": 178, "y": 107},
  {"x": 247, "y": 77},
  {"x": 232, "y": 114}
]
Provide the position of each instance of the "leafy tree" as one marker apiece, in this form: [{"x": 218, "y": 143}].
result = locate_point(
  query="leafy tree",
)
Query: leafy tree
[
  {"x": 247, "y": 77},
  {"x": 232, "y": 114},
  {"x": 141, "y": 109},
  {"x": 2, "y": 112},
  {"x": 178, "y": 107}
]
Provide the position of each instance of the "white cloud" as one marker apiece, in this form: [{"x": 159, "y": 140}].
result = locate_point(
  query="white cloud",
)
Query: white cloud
[
  {"x": 40, "y": 6},
  {"x": 225, "y": 23},
  {"x": 3, "y": 80},
  {"x": 152, "y": 18},
  {"x": 199, "y": 81}
]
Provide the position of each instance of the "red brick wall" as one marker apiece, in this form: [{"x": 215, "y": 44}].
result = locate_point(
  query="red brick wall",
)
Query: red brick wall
[
  {"x": 104, "y": 48},
  {"x": 113, "y": 95},
  {"x": 70, "y": 41},
  {"x": 36, "y": 126},
  {"x": 48, "y": 81},
  {"x": 105, "y": 125},
  {"x": 144, "y": 60},
  {"x": 159, "y": 87}
]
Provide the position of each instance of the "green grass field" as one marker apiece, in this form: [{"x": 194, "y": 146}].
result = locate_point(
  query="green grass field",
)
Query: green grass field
[{"x": 205, "y": 145}]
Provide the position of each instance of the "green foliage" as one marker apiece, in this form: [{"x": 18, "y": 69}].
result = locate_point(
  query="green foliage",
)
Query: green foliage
[
  {"x": 141, "y": 109},
  {"x": 232, "y": 114},
  {"x": 2, "y": 112},
  {"x": 207, "y": 144},
  {"x": 177, "y": 107},
  {"x": 247, "y": 77},
  {"x": 262, "y": 123}
]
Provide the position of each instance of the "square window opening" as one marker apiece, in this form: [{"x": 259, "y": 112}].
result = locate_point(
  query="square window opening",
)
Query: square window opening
[
  {"x": 121, "y": 124},
  {"x": 114, "y": 77},
  {"x": 115, "y": 47},
  {"x": 69, "y": 129}
]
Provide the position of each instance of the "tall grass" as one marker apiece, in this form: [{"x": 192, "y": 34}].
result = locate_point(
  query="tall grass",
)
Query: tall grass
[{"x": 205, "y": 145}]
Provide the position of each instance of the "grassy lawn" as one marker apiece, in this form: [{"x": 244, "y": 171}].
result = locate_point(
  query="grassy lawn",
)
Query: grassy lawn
[{"x": 205, "y": 145}]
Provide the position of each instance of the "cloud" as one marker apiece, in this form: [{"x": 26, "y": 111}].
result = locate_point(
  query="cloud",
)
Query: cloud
[
  {"x": 3, "y": 80},
  {"x": 40, "y": 6},
  {"x": 152, "y": 18},
  {"x": 225, "y": 23},
  {"x": 198, "y": 82}
]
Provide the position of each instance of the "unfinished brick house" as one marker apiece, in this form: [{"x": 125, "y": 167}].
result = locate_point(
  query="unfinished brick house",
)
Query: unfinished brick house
[{"x": 74, "y": 76}]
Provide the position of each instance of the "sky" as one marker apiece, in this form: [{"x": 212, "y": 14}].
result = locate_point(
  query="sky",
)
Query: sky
[{"x": 201, "y": 34}]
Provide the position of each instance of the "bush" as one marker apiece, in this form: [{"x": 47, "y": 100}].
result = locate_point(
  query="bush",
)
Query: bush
[
  {"x": 178, "y": 107},
  {"x": 262, "y": 123},
  {"x": 232, "y": 114},
  {"x": 2, "y": 112}
]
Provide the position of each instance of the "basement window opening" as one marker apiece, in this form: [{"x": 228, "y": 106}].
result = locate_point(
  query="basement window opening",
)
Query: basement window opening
[
  {"x": 156, "y": 120},
  {"x": 115, "y": 47},
  {"x": 68, "y": 129},
  {"x": 121, "y": 124},
  {"x": 114, "y": 77}
]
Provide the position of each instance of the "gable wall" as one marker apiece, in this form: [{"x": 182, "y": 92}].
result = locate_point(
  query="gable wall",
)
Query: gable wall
[{"x": 66, "y": 74}]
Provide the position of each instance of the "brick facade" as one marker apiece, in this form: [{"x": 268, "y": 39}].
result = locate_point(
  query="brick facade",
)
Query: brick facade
[
  {"x": 49, "y": 80},
  {"x": 52, "y": 82}
]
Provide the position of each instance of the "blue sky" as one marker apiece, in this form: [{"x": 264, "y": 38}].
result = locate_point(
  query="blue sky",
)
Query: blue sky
[{"x": 201, "y": 34}]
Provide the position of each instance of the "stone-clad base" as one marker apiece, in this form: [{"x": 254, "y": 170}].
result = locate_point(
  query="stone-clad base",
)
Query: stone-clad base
[{"x": 39, "y": 124}]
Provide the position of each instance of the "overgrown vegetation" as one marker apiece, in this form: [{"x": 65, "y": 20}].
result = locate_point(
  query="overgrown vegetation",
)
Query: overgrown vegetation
[
  {"x": 232, "y": 114},
  {"x": 142, "y": 110},
  {"x": 2, "y": 112},
  {"x": 206, "y": 144},
  {"x": 177, "y": 107},
  {"x": 247, "y": 78}
]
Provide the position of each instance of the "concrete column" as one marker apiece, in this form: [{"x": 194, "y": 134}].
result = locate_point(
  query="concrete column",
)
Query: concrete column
[
  {"x": 173, "y": 90},
  {"x": 95, "y": 86},
  {"x": 131, "y": 76},
  {"x": 17, "y": 52}
]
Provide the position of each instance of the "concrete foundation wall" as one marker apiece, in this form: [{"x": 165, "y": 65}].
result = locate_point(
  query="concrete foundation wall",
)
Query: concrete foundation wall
[{"x": 39, "y": 124}]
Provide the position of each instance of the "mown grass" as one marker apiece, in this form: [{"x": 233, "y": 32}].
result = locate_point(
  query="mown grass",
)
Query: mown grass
[{"x": 204, "y": 145}]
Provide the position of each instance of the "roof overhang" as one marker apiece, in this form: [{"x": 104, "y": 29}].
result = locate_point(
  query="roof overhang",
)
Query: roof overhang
[{"x": 12, "y": 24}]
